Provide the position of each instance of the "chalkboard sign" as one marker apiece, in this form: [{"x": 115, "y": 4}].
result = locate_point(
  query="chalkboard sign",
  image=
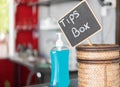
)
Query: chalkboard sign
[{"x": 79, "y": 24}]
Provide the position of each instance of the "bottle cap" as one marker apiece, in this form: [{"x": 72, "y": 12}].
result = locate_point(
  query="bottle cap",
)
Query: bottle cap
[{"x": 59, "y": 42}]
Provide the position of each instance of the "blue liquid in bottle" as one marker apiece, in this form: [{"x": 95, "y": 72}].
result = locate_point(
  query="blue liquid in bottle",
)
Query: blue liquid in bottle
[{"x": 60, "y": 71}]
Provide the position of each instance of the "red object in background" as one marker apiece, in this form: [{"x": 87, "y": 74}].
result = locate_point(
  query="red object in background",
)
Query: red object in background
[
  {"x": 23, "y": 17},
  {"x": 6, "y": 72},
  {"x": 26, "y": 37},
  {"x": 35, "y": 36},
  {"x": 26, "y": 21},
  {"x": 21, "y": 76},
  {"x": 25, "y": 72},
  {"x": 26, "y": 17}
]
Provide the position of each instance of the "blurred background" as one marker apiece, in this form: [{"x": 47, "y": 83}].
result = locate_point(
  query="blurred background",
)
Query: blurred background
[{"x": 28, "y": 32}]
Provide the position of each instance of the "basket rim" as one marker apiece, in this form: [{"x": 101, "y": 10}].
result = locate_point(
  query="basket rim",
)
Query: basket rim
[
  {"x": 98, "y": 47},
  {"x": 108, "y": 61}
]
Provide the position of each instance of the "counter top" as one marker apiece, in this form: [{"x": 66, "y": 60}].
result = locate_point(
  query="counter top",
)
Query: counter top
[
  {"x": 73, "y": 83},
  {"x": 35, "y": 66}
]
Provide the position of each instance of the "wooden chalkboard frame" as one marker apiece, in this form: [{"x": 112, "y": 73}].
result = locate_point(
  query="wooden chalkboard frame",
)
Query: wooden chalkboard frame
[
  {"x": 118, "y": 23},
  {"x": 93, "y": 15}
]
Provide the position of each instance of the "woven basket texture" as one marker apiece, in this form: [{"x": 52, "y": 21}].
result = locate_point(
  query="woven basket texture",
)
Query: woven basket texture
[
  {"x": 98, "y": 55},
  {"x": 98, "y": 75}
]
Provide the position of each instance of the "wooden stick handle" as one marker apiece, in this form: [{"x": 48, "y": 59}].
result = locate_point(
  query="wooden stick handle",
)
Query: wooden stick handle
[{"x": 89, "y": 42}]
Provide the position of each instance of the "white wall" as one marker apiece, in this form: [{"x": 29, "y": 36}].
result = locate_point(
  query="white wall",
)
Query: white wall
[
  {"x": 108, "y": 22},
  {"x": 57, "y": 10}
]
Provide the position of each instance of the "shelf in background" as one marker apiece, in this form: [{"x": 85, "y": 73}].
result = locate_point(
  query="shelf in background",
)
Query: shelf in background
[{"x": 49, "y": 2}]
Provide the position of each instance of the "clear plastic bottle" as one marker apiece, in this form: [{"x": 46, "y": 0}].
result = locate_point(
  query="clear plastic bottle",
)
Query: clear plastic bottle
[{"x": 59, "y": 60}]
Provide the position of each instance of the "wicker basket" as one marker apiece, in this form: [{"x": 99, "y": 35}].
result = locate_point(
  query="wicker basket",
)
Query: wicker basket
[{"x": 98, "y": 66}]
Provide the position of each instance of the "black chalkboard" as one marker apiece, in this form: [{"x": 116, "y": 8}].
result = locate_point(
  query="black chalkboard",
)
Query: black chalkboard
[{"x": 79, "y": 23}]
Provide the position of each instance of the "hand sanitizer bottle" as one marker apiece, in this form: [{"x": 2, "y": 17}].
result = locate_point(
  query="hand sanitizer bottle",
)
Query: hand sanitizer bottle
[{"x": 59, "y": 60}]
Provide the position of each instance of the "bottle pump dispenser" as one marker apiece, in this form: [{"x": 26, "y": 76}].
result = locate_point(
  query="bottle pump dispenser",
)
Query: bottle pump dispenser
[{"x": 59, "y": 60}]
